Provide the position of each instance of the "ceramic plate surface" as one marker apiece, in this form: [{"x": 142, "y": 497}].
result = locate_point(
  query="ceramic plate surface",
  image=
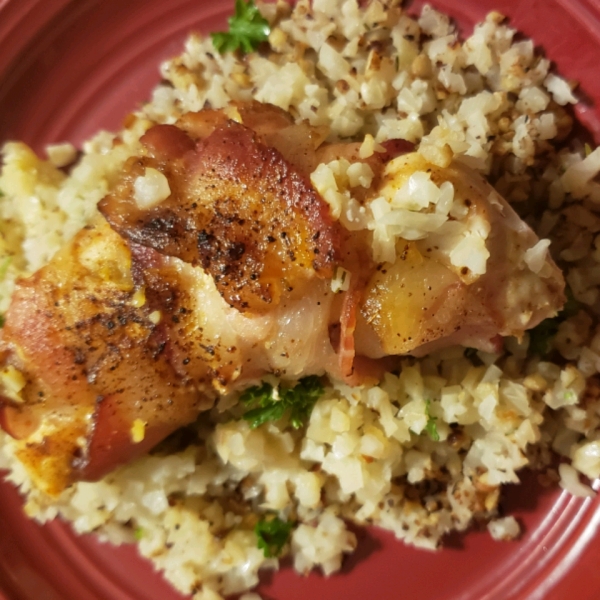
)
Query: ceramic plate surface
[{"x": 71, "y": 67}]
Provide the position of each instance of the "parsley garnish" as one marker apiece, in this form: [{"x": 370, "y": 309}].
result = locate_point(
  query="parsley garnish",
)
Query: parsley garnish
[
  {"x": 272, "y": 534},
  {"x": 138, "y": 533},
  {"x": 2, "y": 321},
  {"x": 247, "y": 29},
  {"x": 540, "y": 337},
  {"x": 266, "y": 404},
  {"x": 431, "y": 427}
]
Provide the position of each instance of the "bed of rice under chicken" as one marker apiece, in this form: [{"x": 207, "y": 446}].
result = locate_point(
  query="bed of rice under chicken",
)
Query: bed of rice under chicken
[{"x": 367, "y": 454}]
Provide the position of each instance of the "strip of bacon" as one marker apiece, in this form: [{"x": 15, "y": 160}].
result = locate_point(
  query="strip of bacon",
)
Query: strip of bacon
[{"x": 237, "y": 208}]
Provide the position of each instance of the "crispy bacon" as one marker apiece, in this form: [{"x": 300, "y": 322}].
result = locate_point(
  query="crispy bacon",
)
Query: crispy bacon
[
  {"x": 243, "y": 213},
  {"x": 347, "y": 349}
]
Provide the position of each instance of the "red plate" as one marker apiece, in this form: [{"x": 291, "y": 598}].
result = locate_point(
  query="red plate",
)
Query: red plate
[{"x": 70, "y": 67}]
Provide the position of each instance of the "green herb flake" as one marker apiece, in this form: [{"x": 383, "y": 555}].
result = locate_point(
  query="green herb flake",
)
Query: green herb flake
[
  {"x": 431, "y": 427},
  {"x": 258, "y": 394},
  {"x": 138, "y": 533},
  {"x": 2, "y": 321},
  {"x": 267, "y": 404},
  {"x": 541, "y": 336},
  {"x": 272, "y": 535},
  {"x": 264, "y": 414},
  {"x": 247, "y": 29},
  {"x": 302, "y": 399}
]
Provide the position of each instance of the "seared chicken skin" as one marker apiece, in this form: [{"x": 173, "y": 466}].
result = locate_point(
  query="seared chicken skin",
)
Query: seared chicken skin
[
  {"x": 83, "y": 334},
  {"x": 212, "y": 266}
]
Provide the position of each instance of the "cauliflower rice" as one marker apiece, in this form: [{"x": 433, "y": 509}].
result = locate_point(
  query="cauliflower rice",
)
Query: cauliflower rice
[{"x": 368, "y": 454}]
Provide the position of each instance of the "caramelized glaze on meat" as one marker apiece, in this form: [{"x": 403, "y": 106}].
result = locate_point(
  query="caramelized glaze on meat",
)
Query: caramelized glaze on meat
[
  {"x": 457, "y": 308},
  {"x": 237, "y": 208},
  {"x": 94, "y": 360}
]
